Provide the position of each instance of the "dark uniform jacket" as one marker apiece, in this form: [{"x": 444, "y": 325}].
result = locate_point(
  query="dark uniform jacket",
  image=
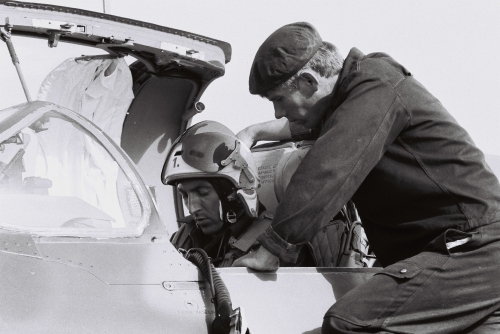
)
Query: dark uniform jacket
[
  {"x": 391, "y": 146},
  {"x": 232, "y": 243}
]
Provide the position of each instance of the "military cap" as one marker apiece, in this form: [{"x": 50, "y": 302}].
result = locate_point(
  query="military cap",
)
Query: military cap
[{"x": 282, "y": 55}]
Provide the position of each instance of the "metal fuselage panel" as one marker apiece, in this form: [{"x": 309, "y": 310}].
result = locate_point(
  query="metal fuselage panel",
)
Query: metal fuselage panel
[
  {"x": 42, "y": 296},
  {"x": 292, "y": 300}
]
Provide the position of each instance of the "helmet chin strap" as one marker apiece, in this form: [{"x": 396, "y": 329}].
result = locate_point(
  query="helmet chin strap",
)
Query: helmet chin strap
[
  {"x": 221, "y": 212},
  {"x": 250, "y": 201},
  {"x": 230, "y": 217}
]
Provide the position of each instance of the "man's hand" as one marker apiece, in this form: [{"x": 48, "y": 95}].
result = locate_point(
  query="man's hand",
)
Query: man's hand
[
  {"x": 247, "y": 136},
  {"x": 261, "y": 260}
]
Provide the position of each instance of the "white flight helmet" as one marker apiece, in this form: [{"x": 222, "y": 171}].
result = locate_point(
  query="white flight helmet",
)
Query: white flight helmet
[{"x": 210, "y": 149}]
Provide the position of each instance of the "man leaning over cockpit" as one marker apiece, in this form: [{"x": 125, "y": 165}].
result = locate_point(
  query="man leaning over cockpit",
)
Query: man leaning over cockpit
[{"x": 429, "y": 203}]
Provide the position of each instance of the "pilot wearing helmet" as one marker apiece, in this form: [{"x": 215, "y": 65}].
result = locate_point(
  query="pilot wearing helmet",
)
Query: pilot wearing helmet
[{"x": 217, "y": 178}]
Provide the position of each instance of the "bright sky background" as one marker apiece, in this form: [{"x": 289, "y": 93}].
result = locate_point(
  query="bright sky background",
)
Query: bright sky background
[{"x": 452, "y": 47}]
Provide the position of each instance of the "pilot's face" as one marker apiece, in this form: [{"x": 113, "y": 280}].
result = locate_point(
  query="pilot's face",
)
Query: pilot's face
[{"x": 202, "y": 201}]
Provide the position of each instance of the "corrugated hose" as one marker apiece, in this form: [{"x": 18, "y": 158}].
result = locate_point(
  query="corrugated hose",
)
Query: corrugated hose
[{"x": 220, "y": 293}]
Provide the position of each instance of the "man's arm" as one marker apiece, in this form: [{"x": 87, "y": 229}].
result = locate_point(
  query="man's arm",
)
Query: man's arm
[
  {"x": 354, "y": 139},
  {"x": 261, "y": 260},
  {"x": 275, "y": 130}
]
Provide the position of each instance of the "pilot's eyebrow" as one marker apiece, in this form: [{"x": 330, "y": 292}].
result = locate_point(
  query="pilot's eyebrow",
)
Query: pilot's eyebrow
[
  {"x": 197, "y": 188},
  {"x": 201, "y": 187}
]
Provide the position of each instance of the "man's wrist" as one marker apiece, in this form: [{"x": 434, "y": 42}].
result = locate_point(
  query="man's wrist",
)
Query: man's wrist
[
  {"x": 275, "y": 245},
  {"x": 255, "y": 132}
]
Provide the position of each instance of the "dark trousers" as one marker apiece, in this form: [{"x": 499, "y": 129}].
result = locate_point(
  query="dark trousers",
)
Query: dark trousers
[{"x": 436, "y": 291}]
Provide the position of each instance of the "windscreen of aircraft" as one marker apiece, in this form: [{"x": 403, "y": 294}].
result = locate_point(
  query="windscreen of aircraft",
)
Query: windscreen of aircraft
[{"x": 57, "y": 179}]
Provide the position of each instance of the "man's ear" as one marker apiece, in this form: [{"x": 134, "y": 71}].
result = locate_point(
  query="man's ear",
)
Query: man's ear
[{"x": 308, "y": 84}]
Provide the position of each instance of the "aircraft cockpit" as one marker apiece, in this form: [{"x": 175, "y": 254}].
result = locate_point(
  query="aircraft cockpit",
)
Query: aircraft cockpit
[
  {"x": 56, "y": 178},
  {"x": 85, "y": 219}
]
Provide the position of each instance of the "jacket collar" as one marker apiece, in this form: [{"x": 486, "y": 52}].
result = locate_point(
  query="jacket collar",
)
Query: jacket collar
[
  {"x": 350, "y": 64},
  {"x": 235, "y": 229}
]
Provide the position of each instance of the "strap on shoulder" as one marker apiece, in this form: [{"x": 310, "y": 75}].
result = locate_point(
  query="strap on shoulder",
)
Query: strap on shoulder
[
  {"x": 258, "y": 226},
  {"x": 181, "y": 238}
]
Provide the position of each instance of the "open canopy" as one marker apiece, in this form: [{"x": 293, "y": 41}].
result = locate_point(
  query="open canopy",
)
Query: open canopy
[{"x": 163, "y": 50}]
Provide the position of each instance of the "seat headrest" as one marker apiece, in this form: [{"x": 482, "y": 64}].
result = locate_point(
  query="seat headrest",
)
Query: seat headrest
[{"x": 276, "y": 163}]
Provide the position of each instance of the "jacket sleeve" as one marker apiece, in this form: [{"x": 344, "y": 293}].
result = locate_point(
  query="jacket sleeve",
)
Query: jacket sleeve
[
  {"x": 353, "y": 140},
  {"x": 300, "y": 132}
]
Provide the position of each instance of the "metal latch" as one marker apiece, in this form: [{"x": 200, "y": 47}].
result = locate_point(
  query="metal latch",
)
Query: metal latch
[
  {"x": 172, "y": 286},
  {"x": 56, "y": 29}
]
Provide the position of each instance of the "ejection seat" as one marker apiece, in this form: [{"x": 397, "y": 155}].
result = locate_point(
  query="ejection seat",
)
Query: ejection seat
[{"x": 340, "y": 242}]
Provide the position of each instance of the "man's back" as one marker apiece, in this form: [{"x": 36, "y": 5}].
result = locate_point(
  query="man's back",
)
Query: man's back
[{"x": 430, "y": 178}]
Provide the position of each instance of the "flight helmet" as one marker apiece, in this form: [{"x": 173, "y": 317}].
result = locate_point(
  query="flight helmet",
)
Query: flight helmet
[{"x": 210, "y": 150}]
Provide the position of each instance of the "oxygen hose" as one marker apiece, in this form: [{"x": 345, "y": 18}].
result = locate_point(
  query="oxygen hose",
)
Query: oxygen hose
[{"x": 220, "y": 294}]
